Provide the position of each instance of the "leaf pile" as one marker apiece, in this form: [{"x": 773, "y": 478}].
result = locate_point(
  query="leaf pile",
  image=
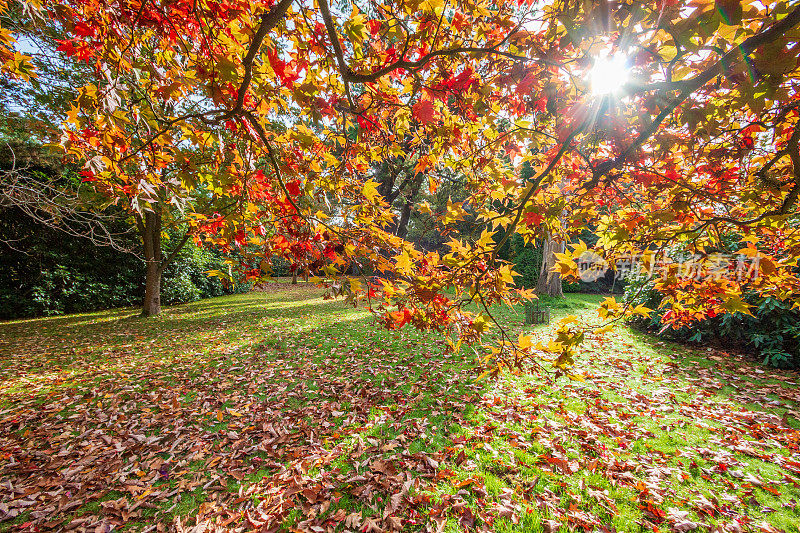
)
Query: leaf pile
[{"x": 340, "y": 427}]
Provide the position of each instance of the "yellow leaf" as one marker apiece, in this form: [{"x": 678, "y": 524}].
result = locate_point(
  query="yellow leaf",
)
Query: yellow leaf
[
  {"x": 568, "y": 320},
  {"x": 483, "y": 375},
  {"x": 403, "y": 263},
  {"x": 506, "y": 275},
  {"x": 454, "y": 347},
  {"x": 355, "y": 284},
  {"x": 485, "y": 240},
  {"x": 433, "y": 6},
  {"x": 370, "y": 191},
  {"x": 735, "y": 304},
  {"x": 480, "y": 323},
  {"x": 610, "y": 303},
  {"x": 524, "y": 342}
]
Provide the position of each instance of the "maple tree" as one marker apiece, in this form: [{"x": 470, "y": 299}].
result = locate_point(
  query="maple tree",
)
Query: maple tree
[
  {"x": 293, "y": 103},
  {"x": 101, "y": 213}
]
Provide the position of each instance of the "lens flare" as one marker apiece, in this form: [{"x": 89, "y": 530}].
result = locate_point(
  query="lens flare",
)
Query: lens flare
[{"x": 608, "y": 74}]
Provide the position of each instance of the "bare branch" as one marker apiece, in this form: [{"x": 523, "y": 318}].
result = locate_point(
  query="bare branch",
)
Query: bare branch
[{"x": 61, "y": 209}]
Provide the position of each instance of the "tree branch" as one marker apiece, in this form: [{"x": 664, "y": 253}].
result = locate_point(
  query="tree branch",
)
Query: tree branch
[
  {"x": 689, "y": 86},
  {"x": 732, "y": 56},
  {"x": 165, "y": 262},
  {"x": 268, "y": 21}
]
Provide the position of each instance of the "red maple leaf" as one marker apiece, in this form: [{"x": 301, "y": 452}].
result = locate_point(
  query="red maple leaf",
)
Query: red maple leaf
[
  {"x": 533, "y": 219},
  {"x": 88, "y": 175},
  {"x": 240, "y": 238},
  {"x": 293, "y": 187},
  {"x": 67, "y": 47},
  {"x": 374, "y": 26},
  {"x": 424, "y": 111},
  {"x": 282, "y": 69}
]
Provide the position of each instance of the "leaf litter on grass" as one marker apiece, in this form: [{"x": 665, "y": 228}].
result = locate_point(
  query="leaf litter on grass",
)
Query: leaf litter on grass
[{"x": 378, "y": 431}]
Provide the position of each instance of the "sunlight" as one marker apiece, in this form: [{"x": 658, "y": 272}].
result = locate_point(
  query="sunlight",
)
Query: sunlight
[{"x": 608, "y": 74}]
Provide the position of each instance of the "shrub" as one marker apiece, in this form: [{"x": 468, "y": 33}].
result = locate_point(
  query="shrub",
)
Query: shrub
[
  {"x": 49, "y": 273},
  {"x": 527, "y": 263},
  {"x": 773, "y": 331},
  {"x": 179, "y": 289},
  {"x": 185, "y": 279}
]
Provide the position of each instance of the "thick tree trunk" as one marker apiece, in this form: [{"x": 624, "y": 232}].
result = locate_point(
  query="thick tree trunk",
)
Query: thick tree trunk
[
  {"x": 549, "y": 283},
  {"x": 294, "y": 277},
  {"x": 150, "y": 228},
  {"x": 402, "y": 223},
  {"x": 152, "y": 291},
  {"x": 401, "y": 229}
]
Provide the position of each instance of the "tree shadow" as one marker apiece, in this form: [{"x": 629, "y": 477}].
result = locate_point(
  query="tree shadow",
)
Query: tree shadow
[
  {"x": 731, "y": 375},
  {"x": 336, "y": 407},
  {"x": 45, "y": 346}
]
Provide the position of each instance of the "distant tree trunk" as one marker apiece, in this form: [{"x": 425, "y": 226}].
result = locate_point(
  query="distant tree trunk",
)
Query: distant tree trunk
[
  {"x": 403, "y": 192},
  {"x": 549, "y": 283},
  {"x": 402, "y": 223},
  {"x": 294, "y": 277},
  {"x": 401, "y": 228}
]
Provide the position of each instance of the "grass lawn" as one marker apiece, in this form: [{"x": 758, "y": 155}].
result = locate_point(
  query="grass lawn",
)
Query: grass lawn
[{"x": 278, "y": 410}]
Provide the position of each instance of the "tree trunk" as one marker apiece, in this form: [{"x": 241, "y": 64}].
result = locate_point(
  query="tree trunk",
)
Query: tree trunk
[
  {"x": 150, "y": 229},
  {"x": 401, "y": 230},
  {"x": 149, "y": 226},
  {"x": 294, "y": 277},
  {"x": 152, "y": 290},
  {"x": 549, "y": 282},
  {"x": 402, "y": 223}
]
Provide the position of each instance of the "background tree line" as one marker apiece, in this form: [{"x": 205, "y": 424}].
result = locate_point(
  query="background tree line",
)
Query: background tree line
[{"x": 48, "y": 270}]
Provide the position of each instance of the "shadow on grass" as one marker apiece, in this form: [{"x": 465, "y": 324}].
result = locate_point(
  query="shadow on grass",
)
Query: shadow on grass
[
  {"x": 731, "y": 376},
  {"x": 298, "y": 401},
  {"x": 44, "y": 346}
]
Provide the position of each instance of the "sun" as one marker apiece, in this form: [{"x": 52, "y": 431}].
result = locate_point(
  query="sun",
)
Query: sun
[{"x": 608, "y": 74}]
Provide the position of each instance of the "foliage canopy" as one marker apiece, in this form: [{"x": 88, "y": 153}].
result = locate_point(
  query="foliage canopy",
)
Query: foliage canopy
[{"x": 283, "y": 108}]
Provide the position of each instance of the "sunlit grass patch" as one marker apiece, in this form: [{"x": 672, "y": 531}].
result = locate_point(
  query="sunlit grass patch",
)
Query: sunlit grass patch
[{"x": 218, "y": 407}]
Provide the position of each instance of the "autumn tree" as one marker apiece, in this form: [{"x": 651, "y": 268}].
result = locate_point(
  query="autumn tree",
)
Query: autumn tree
[
  {"x": 654, "y": 121},
  {"x": 34, "y": 110}
]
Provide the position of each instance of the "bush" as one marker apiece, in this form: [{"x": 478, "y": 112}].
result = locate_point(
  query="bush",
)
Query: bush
[
  {"x": 49, "y": 273},
  {"x": 179, "y": 289},
  {"x": 773, "y": 331},
  {"x": 185, "y": 279},
  {"x": 281, "y": 267},
  {"x": 572, "y": 286},
  {"x": 528, "y": 263}
]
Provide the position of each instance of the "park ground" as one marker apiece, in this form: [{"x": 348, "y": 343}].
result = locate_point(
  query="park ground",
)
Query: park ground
[{"x": 278, "y": 410}]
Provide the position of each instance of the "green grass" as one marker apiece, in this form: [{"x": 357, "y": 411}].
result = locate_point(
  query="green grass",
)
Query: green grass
[{"x": 280, "y": 408}]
